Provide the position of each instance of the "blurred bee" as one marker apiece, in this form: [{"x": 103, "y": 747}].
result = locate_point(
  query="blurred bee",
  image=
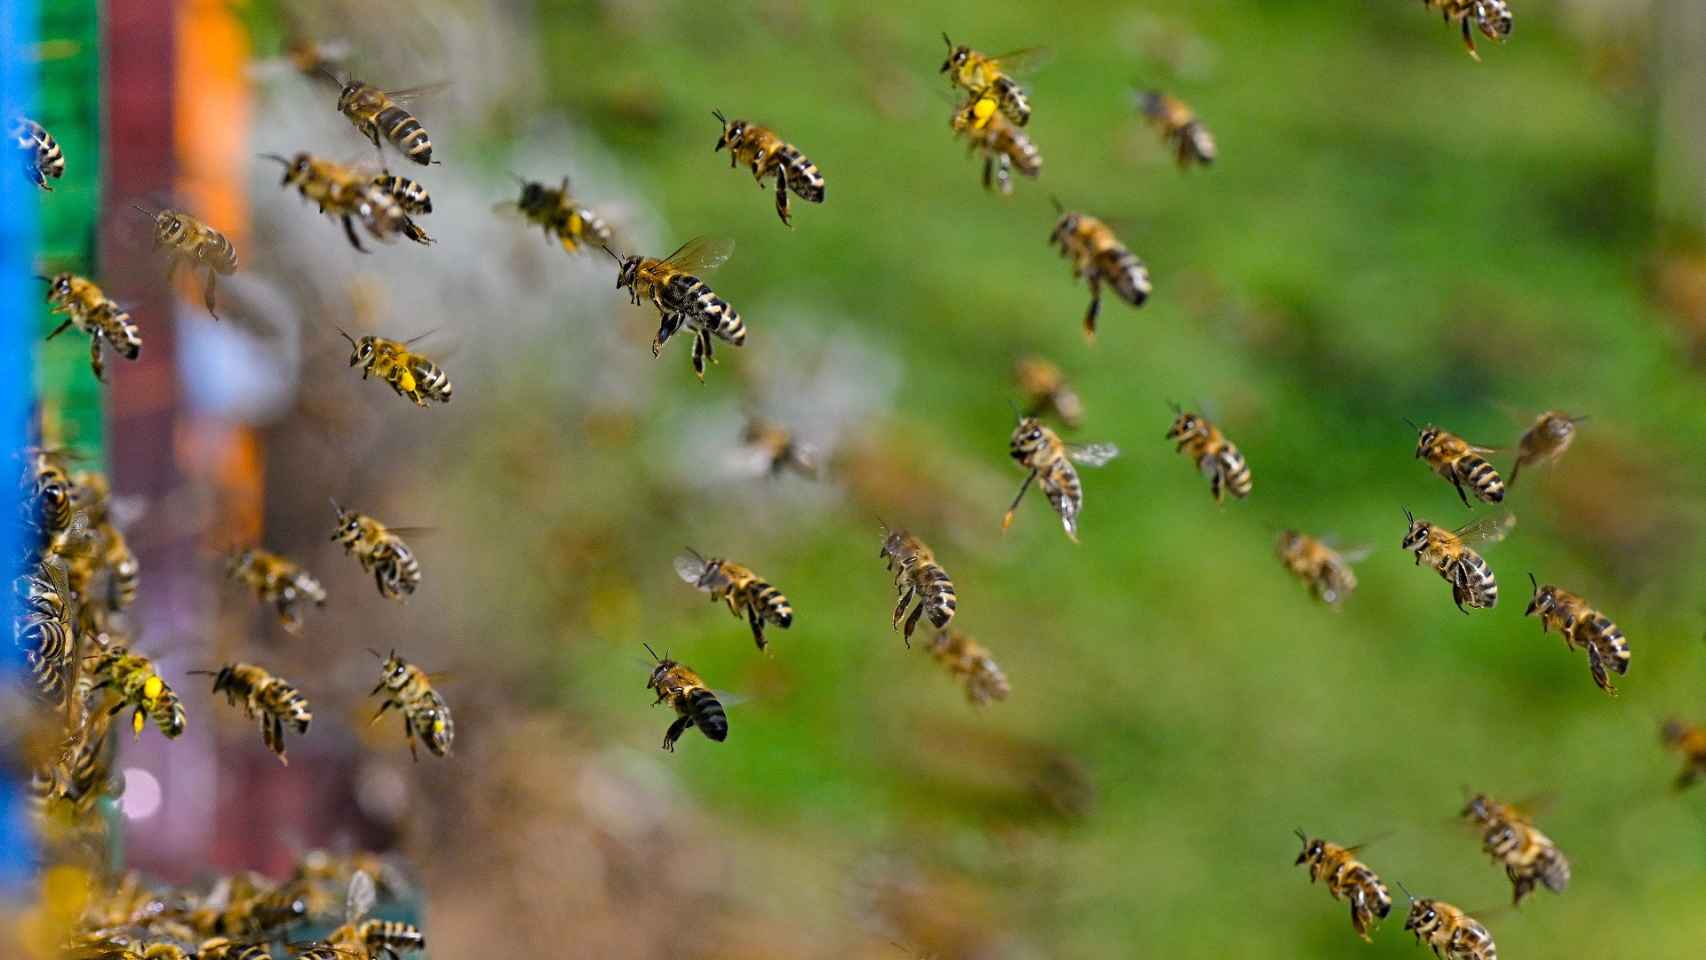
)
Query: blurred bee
[
  {"x": 412, "y": 196},
  {"x": 694, "y": 703},
  {"x": 363, "y": 937},
  {"x": 278, "y": 581},
  {"x": 917, "y": 575},
  {"x": 1582, "y": 626},
  {"x": 1492, "y": 17},
  {"x": 1045, "y": 390},
  {"x": 190, "y": 242},
  {"x": 410, "y": 373},
  {"x": 54, "y": 509},
  {"x": 1530, "y": 857},
  {"x": 133, "y": 677},
  {"x": 350, "y": 194},
  {"x": 740, "y": 588},
  {"x": 776, "y": 449},
  {"x": 426, "y": 717},
  {"x": 1099, "y": 257},
  {"x": 766, "y": 153},
  {"x": 1546, "y": 441},
  {"x": 84, "y": 305},
  {"x": 47, "y": 630},
  {"x": 40, "y": 152},
  {"x": 562, "y": 218},
  {"x": 1347, "y": 879},
  {"x": 224, "y": 948},
  {"x": 1326, "y": 572},
  {"x": 1039, "y": 450},
  {"x": 683, "y": 299},
  {"x": 993, "y": 77},
  {"x": 969, "y": 660},
  {"x": 245, "y": 909},
  {"x": 1179, "y": 127},
  {"x": 1451, "y": 933},
  {"x": 1005, "y": 147},
  {"x": 377, "y": 113},
  {"x": 265, "y": 698},
  {"x": 81, "y": 773},
  {"x": 1214, "y": 455},
  {"x": 1459, "y": 462},
  {"x": 312, "y": 58},
  {"x": 1449, "y": 553},
  {"x": 380, "y": 551},
  {"x": 1690, "y": 741},
  {"x": 95, "y": 500}
]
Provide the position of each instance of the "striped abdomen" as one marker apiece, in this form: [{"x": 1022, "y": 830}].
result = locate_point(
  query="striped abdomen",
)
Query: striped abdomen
[
  {"x": 1125, "y": 272},
  {"x": 119, "y": 330},
  {"x": 1227, "y": 472},
  {"x": 287, "y": 703},
  {"x": 802, "y": 175},
  {"x": 707, "y": 713},
  {"x": 1368, "y": 897},
  {"x": 692, "y": 296},
  {"x": 1019, "y": 149},
  {"x": 1014, "y": 104},
  {"x": 410, "y": 194},
  {"x": 217, "y": 252},
  {"x": 395, "y": 568},
  {"x": 936, "y": 596},
  {"x": 431, "y": 380},
  {"x": 1480, "y": 476},
  {"x": 1472, "y": 581},
  {"x": 168, "y": 713},
  {"x": 429, "y": 716},
  {"x": 390, "y": 935},
  {"x": 405, "y": 133},
  {"x": 1608, "y": 650},
  {"x": 1064, "y": 491},
  {"x": 42, "y": 156},
  {"x": 770, "y": 603}
]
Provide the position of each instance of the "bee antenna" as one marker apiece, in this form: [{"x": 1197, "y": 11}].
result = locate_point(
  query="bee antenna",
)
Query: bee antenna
[
  {"x": 144, "y": 210},
  {"x": 336, "y": 506},
  {"x": 1412, "y": 424},
  {"x": 649, "y": 650},
  {"x": 346, "y": 336},
  {"x": 696, "y": 554},
  {"x": 323, "y": 71},
  {"x": 1533, "y": 581},
  {"x": 1174, "y": 406},
  {"x": 1581, "y": 419},
  {"x": 612, "y": 253},
  {"x": 1056, "y": 201},
  {"x": 720, "y": 118},
  {"x": 945, "y": 40},
  {"x": 1409, "y": 516},
  {"x": 50, "y": 280},
  {"x": 202, "y": 673},
  {"x": 1301, "y": 835},
  {"x": 273, "y": 156},
  {"x": 1406, "y": 890}
]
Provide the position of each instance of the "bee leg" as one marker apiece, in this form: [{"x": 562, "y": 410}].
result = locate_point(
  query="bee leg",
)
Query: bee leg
[
  {"x": 675, "y": 731},
  {"x": 1007, "y": 521},
  {"x": 1469, "y": 40},
  {"x": 388, "y": 704},
  {"x": 207, "y": 292},
  {"x": 349, "y": 231},
  {"x": 757, "y": 623},
  {"x": 782, "y": 196},
  {"x": 988, "y": 171},
  {"x": 59, "y": 329},
  {"x": 96, "y": 363},
  {"x": 912, "y": 622},
  {"x": 699, "y": 355},
  {"x": 1095, "y": 305},
  {"x": 900, "y": 608},
  {"x": 409, "y": 732}
]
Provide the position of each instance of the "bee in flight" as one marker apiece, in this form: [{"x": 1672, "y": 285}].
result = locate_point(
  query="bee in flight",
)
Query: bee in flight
[
  {"x": 1530, "y": 858},
  {"x": 766, "y": 153},
  {"x": 682, "y": 299},
  {"x": 694, "y": 703},
  {"x": 377, "y": 113},
  {"x": 1214, "y": 455},
  {"x": 84, "y": 306},
  {"x": 409, "y": 373},
  {"x": 138, "y": 685},
  {"x": 1045, "y": 390},
  {"x": 189, "y": 242},
  {"x": 352, "y": 194},
  {"x": 776, "y": 449},
  {"x": 359, "y": 938},
  {"x": 1690, "y": 741},
  {"x": 278, "y": 581},
  {"x": 265, "y": 698},
  {"x": 42, "y": 158},
  {"x": 554, "y": 210},
  {"x": 1326, "y": 572},
  {"x": 413, "y": 197},
  {"x": 426, "y": 717},
  {"x": 1448, "y": 931},
  {"x": 380, "y": 551},
  {"x": 1450, "y": 553},
  {"x": 1582, "y": 626},
  {"x": 1099, "y": 257},
  {"x": 1348, "y": 879},
  {"x": 1179, "y": 126},
  {"x": 993, "y": 78},
  {"x": 1048, "y": 460},
  {"x": 1004, "y": 146},
  {"x": 970, "y": 661},
  {"x": 918, "y": 576},
  {"x": 743, "y": 591},
  {"x": 1459, "y": 462},
  {"x": 1546, "y": 441},
  {"x": 1491, "y": 17}
]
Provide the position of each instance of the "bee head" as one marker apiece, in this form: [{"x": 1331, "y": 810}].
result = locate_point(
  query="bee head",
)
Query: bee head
[
  {"x": 348, "y": 525},
  {"x": 532, "y": 195},
  {"x": 629, "y": 272},
  {"x": 1289, "y": 540},
  {"x": 1477, "y": 809},
  {"x": 58, "y": 286},
  {"x": 1672, "y": 732},
  {"x": 1425, "y": 436},
  {"x": 734, "y": 132},
  {"x": 662, "y": 666},
  {"x": 1544, "y": 599},
  {"x": 1417, "y": 536},
  {"x": 348, "y": 90},
  {"x": 1186, "y": 424},
  {"x": 1312, "y": 849},
  {"x": 222, "y": 678},
  {"x": 361, "y": 351},
  {"x": 1029, "y": 431},
  {"x": 1423, "y": 916},
  {"x": 1560, "y": 425},
  {"x": 1494, "y": 19},
  {"x": 957, "y": 55}
]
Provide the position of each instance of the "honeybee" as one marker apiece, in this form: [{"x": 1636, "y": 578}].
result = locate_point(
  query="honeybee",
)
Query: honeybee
[
  {"x": 1546, "y": 441},
  {"x": 362, "y": 937},
  {"x": 244, "y": 908},
  {"x": 1005, "y": 147},
  {"x": 409, "y": 373},
  {"x": 380, "y": 551},
  {"x": 1690, "y": 741},
  {"x": 1214, "y": 455},
  {"x": 1099, "y": 257},
  {"x": 1459, "y": 462},
  {"x": 1347, "y": 879},
  {"x": 683, "y": 299},
  {"x": 1180, "y": 127},
  {"x": 190, "y": 242},
  {"x": 1530, "y": 857},
  {"x": 112, "y": 551},
  {"x": 377, "y": 112},
  {"x": 776, "y": 449},
  {"x": 1449, "y": 553},
  {"x": 278, "y": 581},
  {"x": 426, "y": 717},
  {"x": 81, "y": 773},
  {"x": 133, "y": 677},
  {"x": 1492, "y": 17},
  {"x": 917, "y": 575},
  {"x": 265, "y": 698},
  {"x": 40, "y": 152},
  {"x": 1326, "y": 572},
  {"x": 740, "y": 588},
  {"x": 1039, "y": 450},
  {"x": 993, "y": 77},
  {"x": 47, "y": 630},
  {"x": 1451, "y": 933},
  {"x": 412, "y": 196},
  {"x": 83, "y": 304},
  {"x": 562, "y": 218},
  {"x": 694, "y": 703},
  {"x": 54, "y": 509},
  {"x": 1582, "y": 626},
  {"x": 1045, "y": 390},
  {"x": 349, "y": 194},
  {"x": 766, "y": 153},
  {"x": 969, "y": 660},
  {"x": 224, "y": 948}
]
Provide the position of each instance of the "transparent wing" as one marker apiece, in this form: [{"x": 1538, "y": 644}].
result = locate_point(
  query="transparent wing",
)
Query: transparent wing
[
  {"x": 415, "y": 93},
  {"x": 701, "y": 253},
  {"x": 1092, "y": 454},
  {"x": 1487, "y": 530},
  {"x": 1357, "y": 555},
  {"x": 1024, "y": 61},
  {"x": 729, "y": 700},
  {"x": 127, "y": 511},
  {"x": 690, "y": 567},
  {"x": 360, "y": 898},
  {"x": 220, "y": 896}
]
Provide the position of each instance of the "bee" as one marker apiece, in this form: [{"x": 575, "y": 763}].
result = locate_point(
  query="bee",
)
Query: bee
[
  {"x": 967, "y": 659},
  {"x": 138, "y": 685},
  {"x": 693, "y": 702},
  {"x": 1045, "y": 390},
  {"x": 1048, "y": 460},
  {"x": 1347, "y": 879},
  {"x": 1451, "y": 933},
  {"x": 47, "y": 631},
  {"x": 917, "y": 575},
  {"x": 740, "y": 588},
  {"x": 364, "y": 938},
  {"x": 1582, "y": 626},
  {"x": 412, "y": 196},
  {"x": 40, "y": 152},
  {"x": 776, "y": 449},
  {"x": 1530, "y": 857},
  {"x": 1005, "y": 147},
  {"x": 1326, "y": 572},
  {"x": 1459, "y": 462},
  {"x": 94, "y": 498},
  {"x": 993, "y": 77},
  {"x": 766, "y": 153},
  {"x": 1449, "y": 553},
  {"x": 238, "y": 909},
  {"x": 83, "y": 305},
  {"x": 278, "y": 581},
  {"x": 192, "y": 243},
  {"x": 1690, "y": 741},
  {"x": 563, "y": 219},
  {"x": 683, "y": 299},
  {"x": 224, "y": 948},
  {"x": 1546, "y": 441},
  {"x": 1099, "y": 257},
  {"x": 380, "y": 551},
  {"x": 410, "y": 373},
  {"x": 263, "y": 697},
  {"x": 82, "y": 772},
  {"x": 349, "y": 194},
  {"x": 1492, "y": 18},
  {"x": 426, "y": 717},
  {"x": 377, "y": 112},
  {"x": 1214, "y": 455},
  {"x": 54, "y": 508},
  {"x": 1179, "y": 127}
]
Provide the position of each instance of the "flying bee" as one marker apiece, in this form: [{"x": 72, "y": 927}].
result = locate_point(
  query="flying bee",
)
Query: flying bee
[
  {"x": 191, "y": 243},
  {"x": 917, "y": 575},
  {"x": 776, "y": 448},
  {"x": 1005, "y": 147},
  {"x": 565, "y": 220},
  {"x": 409, "y": 373},
  {"x": 743, "y": 591},
  {"x": 1459, "y": 462},
  {"x": 1045, "y": 390},
  {"x": 412, "y": 196},
  {"x": 1546, "y": 441},
  {"x": 264, "y": 698},
  {"x": 971, "y": 661},
  {"x": 1347, "y": 879},
  {"x": 1179, "y": 126},
  {"x": 683, "y": 299},
  {"x": 1491, "y": 17},
  {"x": 1530, "y": 858},
  {"x": 426, "y": 717},
  {"x": 1451, "y": 933},
  {"x": 694, "y": 703},
  {"x": 994, "y": 77},
  {"x": 84, "y": 306},
  {"x": 40, "y": 152},
  {"x": 1582, "y": 626},
  {"x": 138, "y": 685},
  {"x": 380, "y": 551},
  {"x": 1690, "y": 741},
  {"x": 1099, "y": 257},
  {"x": 1326, "y": 572},
  {"x": 1449, "y": 553},
  {"x": 278, "y": 581},
  {"x": 1215, "y": 456},
  {"x": 377, "y": 113},
  {"x": 349, "y": 194},
  {"x": 1048, "y": 460},
  {"x": 766, "y": 153}
]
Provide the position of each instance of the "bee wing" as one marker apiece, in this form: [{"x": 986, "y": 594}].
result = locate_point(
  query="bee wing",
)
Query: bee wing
[
  {"x": 220, "y": 896},
  {"x": 701, "y": 253},
  {"x": 1487, "y": 530},
  {"x": 728, "y": 699},
  {"x": 690, "y": 567},
  {"x": 1480, "y": 449},
  {"x": 126, "y": 511},
  {"x": 1092, "y": 454},
  {"x": 1357, "y": 555},
  {"x": 415, "y": 93},
  {"x": 1026, "y": 60},
  {"x": 360, "y": 898}
]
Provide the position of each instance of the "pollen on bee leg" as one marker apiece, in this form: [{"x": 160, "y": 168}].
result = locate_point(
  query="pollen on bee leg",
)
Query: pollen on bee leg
[
  {"x": 151, "y": 689},
  {"x": 136, "y": 721}
]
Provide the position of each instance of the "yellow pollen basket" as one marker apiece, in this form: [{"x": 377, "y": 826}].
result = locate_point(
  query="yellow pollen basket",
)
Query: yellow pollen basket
[
  {"x": 438, "y": 726},
  {"x": 406, "y": 380},
  {"x": 576, "y": 224},
  {"x": 151, "y": 689},
  {"x": 136, "y": 721},
  {"x": 981, "y": 111}
]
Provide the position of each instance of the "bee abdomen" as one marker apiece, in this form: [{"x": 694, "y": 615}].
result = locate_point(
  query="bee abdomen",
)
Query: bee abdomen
[
  {"x": 707, "y": 714},
  {"x": 1601, "y": 633},
  {"x": 940, "y": 600},
  {"x": 405, "y": 133},
  {"x": 1474, "y": 578},
  {"x": 775, "y": 606},
  {"x": 433, "y": 381},
  {"x": 1128, "y": 275},
  {"x": 803, "y": 176},
  {"x": 1237, "y": 472},
  {"x": 713, "y": 312},
  {"x": 1013, "y": 101},
  {"x": 1482, "y": 477}
]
